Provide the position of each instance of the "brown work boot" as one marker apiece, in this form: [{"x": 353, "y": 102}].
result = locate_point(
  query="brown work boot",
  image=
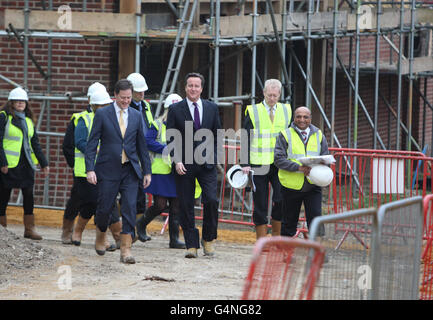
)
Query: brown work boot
[
  {"x": 191, "y": 253},
  {"x": 67, "y": 229},
  {"x": 125, "y": 249},
  {"x": 29, "y": 227},
  {"x": 100, "y": 242},
  {"x": 261, "y": 231},
  {"x": 208, "y": 248},
  {"x": 78, "y": 230},
  {"x": 115, "y": 229},
  {"x": 3, "y": 221},
  {"x": 276, "y": 228}
]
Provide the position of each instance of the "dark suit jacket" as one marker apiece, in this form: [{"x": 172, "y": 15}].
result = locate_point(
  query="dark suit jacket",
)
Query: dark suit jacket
[
  {"x": 179, "y": 117},
  {"x": 106, "y": 129}
]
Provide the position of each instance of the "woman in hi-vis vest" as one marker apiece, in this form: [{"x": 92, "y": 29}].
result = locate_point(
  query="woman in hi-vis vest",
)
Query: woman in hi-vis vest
[{"x": 20, "y": 153}]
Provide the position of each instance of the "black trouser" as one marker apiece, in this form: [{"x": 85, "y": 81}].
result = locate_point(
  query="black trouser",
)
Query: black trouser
[
  {"x": 185, "y": 187},
  {"x": 28, "y": 200},
  {"x": 83, "y": 201},
  {"x": 261, "y": 196},
  {"x": 73, "y": 205},
  {"x": 292, "y": 202}
]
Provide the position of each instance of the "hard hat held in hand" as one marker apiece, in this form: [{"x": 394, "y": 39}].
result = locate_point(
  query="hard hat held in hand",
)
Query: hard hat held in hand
[
  {"x": 94, "y": 87},
  {"x": 172, "y": 98},
  {"x": 18, "y": 94},
  {"x": 321, "y": 175},
  {"x": 236, "y": 177},
  {"x": 100, "y": 97},
  {"x": 138, "y": 82}
]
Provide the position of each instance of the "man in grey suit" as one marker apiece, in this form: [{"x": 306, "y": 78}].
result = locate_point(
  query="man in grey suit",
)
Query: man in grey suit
[{"x": 121, "y": 164}]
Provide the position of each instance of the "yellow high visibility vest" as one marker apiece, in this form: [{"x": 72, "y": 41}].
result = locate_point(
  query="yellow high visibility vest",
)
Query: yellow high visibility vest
[
  {"x": 79, "y": 161},
  {"x": 161, "y": 165},
  {"x": 265, "y": 132},
  {"x": 295, "y": 150},
  {"x": 13, "y": 141},
  {"x": 149, "y": 116}
]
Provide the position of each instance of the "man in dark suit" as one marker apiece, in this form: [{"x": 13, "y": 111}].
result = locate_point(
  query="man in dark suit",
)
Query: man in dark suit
[
  {"x": 121, "y": 164},
  {"x": 192, "y": 126}
]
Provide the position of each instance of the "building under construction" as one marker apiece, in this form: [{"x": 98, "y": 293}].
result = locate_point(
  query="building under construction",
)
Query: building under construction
[{"x": 362, "y": 67}]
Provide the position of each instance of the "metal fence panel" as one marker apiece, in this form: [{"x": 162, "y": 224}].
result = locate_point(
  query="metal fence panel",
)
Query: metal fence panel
[
  {"x": 346, "y": 274},
  {"x": 283, "y": 268},
  {"x": 396, "y": 265}
]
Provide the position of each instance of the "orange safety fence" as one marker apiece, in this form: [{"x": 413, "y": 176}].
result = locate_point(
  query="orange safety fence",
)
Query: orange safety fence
[{"x": 283, "y": 268}]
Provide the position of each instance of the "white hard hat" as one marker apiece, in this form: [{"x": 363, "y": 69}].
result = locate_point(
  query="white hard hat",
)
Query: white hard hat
[
  {"x": 18, "y": 94},
  {"x": 172, "y": 98},
  {"x": 100, "y": 97},
  {"x": 236, "y": 177},
  {"x": 138, "y": 82},
  {"x": 321, "y": 175},
  {"x": 95, "y": 87}
]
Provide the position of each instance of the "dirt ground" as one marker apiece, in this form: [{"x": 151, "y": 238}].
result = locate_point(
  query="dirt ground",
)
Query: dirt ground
[{"x": 48, "y": 269}]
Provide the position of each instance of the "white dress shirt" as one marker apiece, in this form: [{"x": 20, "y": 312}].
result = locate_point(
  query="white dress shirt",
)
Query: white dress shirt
[
  {"x": 269, "y": 108},
  {"x": 192, "y": 107},
  {"x": 125, "y": 114}
]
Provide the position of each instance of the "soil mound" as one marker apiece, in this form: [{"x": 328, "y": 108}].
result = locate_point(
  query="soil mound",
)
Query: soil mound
[{"x": 19, "y": 253}]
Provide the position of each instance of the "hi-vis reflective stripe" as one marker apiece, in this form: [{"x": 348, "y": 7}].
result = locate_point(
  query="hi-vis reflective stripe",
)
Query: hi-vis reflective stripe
[
  {"x": 12, "y": 153},
  {"x": 254, "y": 149},
  {"x": 7, "y": 136},
  {"x": 265, "y": 135},
  {"x": 158, "y": 138},
  {"x": 309, "y": 152}
]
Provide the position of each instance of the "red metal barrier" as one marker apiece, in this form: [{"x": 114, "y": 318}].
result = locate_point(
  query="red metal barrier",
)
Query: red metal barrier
[
  {"x": 283, "y": 268},
  {"x": 426, "y": 288},
  {"x": 368, "y": 178}
]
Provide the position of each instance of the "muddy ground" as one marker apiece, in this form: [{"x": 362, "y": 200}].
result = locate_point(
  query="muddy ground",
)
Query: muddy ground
[{"x": 48, "y": 269}]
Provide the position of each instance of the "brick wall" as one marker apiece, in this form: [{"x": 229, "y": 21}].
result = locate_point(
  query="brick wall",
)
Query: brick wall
[{"x": 76, "y": 63}]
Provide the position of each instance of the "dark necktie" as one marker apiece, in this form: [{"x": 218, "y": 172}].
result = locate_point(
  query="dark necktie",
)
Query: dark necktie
[
  {"x": 196, "y": 116},
  {"x": 304, "y": 136}
]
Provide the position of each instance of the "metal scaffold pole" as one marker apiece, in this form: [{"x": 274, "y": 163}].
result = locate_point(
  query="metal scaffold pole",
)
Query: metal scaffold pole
[
  {"x": 254, "y": 55},
  {"x": 377, "y": 73}
]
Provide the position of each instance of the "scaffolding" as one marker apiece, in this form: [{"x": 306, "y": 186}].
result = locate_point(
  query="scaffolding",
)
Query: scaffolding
[{"x": 288, "y": 25}]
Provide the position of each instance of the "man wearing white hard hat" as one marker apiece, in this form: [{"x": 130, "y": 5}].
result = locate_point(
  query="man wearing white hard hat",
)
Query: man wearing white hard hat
[
  {"x": 20, "y": 153},
  {"x": 301, "y": 139},
  {"x": 138, "y": 102}
]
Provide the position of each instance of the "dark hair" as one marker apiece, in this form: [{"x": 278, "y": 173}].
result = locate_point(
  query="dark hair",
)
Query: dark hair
[
  {"x": 9, "y": 108},
  {"x": 195, "y": 75},
  {"x": 122, "y": 84}
]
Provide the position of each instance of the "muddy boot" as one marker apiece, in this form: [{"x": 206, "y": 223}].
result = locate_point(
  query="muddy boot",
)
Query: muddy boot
[
  {"x": 78, "y": 230},
  {"x": 261, "y": 231},
  {"x": 3, "y": 221},
  {"x": 100, "y": 242},
  {"x": 115, "y": 229},
  {"x": 29, "y": 227},
  {"x": 67, "y": 229},
  {"x": 173, "y": 231},
  {"x": 125, "y": 249},
  {"x": 142, "y": 223}
]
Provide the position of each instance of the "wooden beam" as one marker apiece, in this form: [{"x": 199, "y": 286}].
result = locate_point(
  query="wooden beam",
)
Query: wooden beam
[
  {"x": 420, "y": 64},
  {"x": 80, "y": 21},
  {"x": 127, "y": 47}
]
